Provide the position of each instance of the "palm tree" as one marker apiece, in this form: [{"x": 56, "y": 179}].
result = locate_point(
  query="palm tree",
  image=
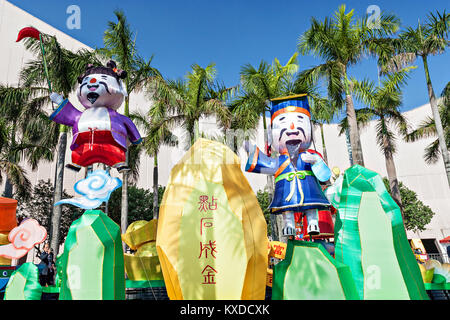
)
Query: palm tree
[
  {"x": 322, "y": 109},
  {"x": 427, "y": 128},
  {"x": 120, "y": 45},
  {"x": 20, "y": 107},
  {"x": 259, "y": 86},
  {"x": 322, "y": 112},
  {"x": 64, "y": 67},
  {"x": 341, "y": 42},
  {"x": 424, "y": 41},
  {"x": 383, "y": 102},
  {"x": 156, "y": 134},
  {"x": 16, "y": 176},
  {"x": 183, "y": 102}
]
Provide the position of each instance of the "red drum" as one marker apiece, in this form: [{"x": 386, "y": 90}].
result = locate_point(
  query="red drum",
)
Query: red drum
[{"x": 326, "y": 225}]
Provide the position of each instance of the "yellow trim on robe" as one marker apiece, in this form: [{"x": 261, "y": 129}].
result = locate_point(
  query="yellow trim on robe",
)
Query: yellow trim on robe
[{"x": 289, "y": 97}]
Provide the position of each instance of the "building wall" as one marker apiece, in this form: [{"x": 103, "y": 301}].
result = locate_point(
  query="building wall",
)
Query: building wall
[{"x": 429, "y": 181}]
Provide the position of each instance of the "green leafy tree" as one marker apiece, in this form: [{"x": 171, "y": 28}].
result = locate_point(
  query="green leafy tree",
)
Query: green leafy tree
[
  {"x": 258, "y": 86},
  {"x": 427, "y": 39},
  {"x": 384, "y": 101},
  {"x": 341, "y": 42},
  {"x": 156, "y": 134},
  {"x": 264, "y": 200},
  {"x": 181, "y": 103},
  {"x": 120, "y": 45},
  {"x": 416, "y": 215},
  {"x": 427, "y": 129},
  {"x": 16, "y": 175},
  {"x": 140, "y": 205},
  {"x": 322, "y": 109},
  {"x": 20, "y": 112}
]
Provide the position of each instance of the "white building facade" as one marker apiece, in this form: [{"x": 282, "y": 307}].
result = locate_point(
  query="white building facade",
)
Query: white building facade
[{"x": 428, "y": 181}]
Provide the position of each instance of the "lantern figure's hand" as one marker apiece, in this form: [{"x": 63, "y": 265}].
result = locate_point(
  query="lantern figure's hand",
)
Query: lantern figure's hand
[
  {"x": 310, "y": 157},
  {"x": 56, "y": 98},
  {"x": 318, "y": 166}
]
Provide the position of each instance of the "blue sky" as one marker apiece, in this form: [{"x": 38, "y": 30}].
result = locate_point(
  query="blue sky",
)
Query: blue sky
[{"x": 232, "y": 33}]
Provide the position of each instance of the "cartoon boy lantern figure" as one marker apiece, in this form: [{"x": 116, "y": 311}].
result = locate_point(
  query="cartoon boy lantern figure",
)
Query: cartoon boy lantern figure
[
  {"x": 297, "y": 170},
  {"x": 100, "y": 133}
]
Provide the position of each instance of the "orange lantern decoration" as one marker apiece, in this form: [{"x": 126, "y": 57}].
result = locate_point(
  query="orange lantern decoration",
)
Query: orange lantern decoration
[
  {"x": 7, "y": 223},
  {"x": 7, "y": 214}
]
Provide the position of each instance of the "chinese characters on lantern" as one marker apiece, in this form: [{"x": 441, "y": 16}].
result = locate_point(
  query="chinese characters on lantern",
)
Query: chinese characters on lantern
[
  {"x": 207, "y": 248},
  {"x": 205, "y": 205},
  {"x": 209, "y": 274}
]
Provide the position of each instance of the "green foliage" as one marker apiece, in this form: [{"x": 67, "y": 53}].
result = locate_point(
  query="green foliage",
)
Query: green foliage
[
  {"x": 427, "y": 129},
  {"x": 341, "y": 41},
  {"x": 181, "y": 103},
  {"x": 258, "y": 85},
  {"x": 416, "y": 214},
  {"x": 39, "y": 207},
  {"x": 64, "y": 65},
  {"x": 264, "y": 201},
  {"x": 21, "y": 139},
  {"x": 140, "y": 204}
]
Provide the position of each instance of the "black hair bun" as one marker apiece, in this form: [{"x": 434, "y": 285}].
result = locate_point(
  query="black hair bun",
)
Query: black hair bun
[
  {"x": 122, "y": 74},
  {"x": 110, "y": 69},
  {"x": 111, "y": 64}
]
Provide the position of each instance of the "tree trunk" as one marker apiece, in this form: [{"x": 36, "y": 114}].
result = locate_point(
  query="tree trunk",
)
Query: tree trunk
[
  {"x": 437, "y": 120},
  {"x": 8, "y": 191},
  {"x": 58, "y": 191},
  {"x": 324, "y": 148},
  {"x": 191, "y": 132},
  {"x": 155, "y": 188},
  {"x": 124, "y": 206},
  {"x": 124, "y": 203},
  {"x": 270, "y": 179},
  {"x": 392, "y": 173},
  {"x": 276, "y": 223},
  {"x": 107, "y": 169},
  {"x": 349, "y": 147},
  {"x": 355, "y": 140}
]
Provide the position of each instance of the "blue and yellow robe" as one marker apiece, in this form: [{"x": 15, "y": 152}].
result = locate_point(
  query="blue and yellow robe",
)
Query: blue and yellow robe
[{"x": 295, "y": 190}]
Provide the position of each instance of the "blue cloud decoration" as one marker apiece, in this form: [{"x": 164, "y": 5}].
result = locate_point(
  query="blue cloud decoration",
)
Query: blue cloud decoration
[{"x": 95, "y": 189}]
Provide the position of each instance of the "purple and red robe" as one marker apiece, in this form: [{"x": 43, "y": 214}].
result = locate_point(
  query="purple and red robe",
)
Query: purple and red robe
[{"x": 99, "y": 134}]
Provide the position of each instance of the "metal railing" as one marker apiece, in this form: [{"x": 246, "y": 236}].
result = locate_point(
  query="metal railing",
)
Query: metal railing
[{"x": 441, "y": 257}]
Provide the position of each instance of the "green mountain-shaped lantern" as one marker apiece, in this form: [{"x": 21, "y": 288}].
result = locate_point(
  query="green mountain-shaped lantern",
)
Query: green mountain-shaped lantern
[
  {"x": 24, "y": 284},
  {"x": 92, "y": 262},
  {"x": 309, "y": 272},
  {"x": 370, "y": 238}
]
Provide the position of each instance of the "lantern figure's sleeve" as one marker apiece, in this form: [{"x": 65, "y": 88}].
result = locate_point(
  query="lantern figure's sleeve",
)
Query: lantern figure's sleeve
[
  {"x": 133, "y": 133},
  {"x": 320, "y": 168},
  {"x": 66, "y": 114},
  {"x": 259, "y": 162}
]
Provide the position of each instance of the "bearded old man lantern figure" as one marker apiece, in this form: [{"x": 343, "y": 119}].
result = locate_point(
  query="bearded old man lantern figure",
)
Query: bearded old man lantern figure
[{"x": 297, "y": 169}]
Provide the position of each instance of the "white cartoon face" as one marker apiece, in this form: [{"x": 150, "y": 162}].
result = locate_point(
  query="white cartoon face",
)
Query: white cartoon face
[
  {"x": 101, "y": 90},
  {"x": 291, "y": 128}
]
